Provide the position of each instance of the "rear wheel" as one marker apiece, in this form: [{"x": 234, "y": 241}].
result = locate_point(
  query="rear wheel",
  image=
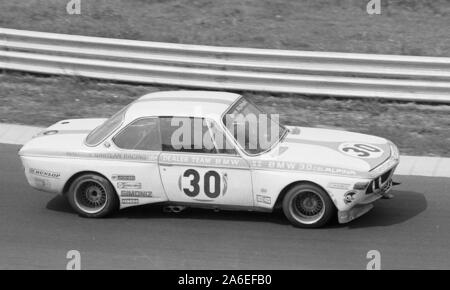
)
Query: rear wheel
[
  {"x": 308, "y": 206},
  {"x": 92, "y": 196}
]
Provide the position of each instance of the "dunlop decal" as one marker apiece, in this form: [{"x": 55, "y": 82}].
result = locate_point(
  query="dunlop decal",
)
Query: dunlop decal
[{"x": 44, "y": 173}]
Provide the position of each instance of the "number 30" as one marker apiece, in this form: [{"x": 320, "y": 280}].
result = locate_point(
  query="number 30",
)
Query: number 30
[{"x": 195, "y": 187}]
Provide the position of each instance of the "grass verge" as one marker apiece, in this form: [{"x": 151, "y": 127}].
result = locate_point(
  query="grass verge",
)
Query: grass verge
[
  {"x": 413, "y": 27},
  {"x": 416, "y": 128}
]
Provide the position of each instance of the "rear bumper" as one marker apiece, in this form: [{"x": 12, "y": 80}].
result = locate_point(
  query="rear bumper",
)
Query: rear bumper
[{"x": 42, "y": 180}]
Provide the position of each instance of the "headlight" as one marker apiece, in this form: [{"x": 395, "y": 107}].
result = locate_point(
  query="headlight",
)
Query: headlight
[{"x": 361, "y": 185}]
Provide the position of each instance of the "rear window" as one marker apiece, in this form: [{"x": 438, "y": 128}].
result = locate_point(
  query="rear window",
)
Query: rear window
[
  {"x": 142, "y": 134},
  {"x": 101, "y": 132}
]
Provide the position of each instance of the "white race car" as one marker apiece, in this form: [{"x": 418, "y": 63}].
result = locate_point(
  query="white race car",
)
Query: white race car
[{"x": 140, "y": 156}]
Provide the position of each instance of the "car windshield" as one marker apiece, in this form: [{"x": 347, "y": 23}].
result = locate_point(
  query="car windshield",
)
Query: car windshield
[
  {"x": 254, "y": 130},
  {"x": 104, "y": 130}
]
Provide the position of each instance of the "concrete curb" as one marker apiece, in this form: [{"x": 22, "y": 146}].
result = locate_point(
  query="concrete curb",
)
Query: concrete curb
[
  {"x": 17, "y": 134},
  {"x": 424, "y": 166},
  {"x": 409, "y": 165}
]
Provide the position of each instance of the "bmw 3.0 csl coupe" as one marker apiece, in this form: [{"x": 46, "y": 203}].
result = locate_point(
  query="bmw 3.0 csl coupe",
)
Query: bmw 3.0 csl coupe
[{"x": 212, "y": 150}]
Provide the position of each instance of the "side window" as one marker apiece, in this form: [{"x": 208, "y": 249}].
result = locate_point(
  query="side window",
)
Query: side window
[
  {"x": 220, "y": 139},
  {"x": 182, "y": 134},
  {"x": 142, "y": 134}
]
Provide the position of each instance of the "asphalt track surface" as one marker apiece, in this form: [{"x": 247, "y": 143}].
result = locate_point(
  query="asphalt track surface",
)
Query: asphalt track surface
[{"x": 38, "y": 229}]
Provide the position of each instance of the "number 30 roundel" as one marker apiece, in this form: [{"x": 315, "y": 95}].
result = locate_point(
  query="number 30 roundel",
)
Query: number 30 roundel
[
  {"x": 209, "y": 183},
  {"x": 361, "y": 150}
]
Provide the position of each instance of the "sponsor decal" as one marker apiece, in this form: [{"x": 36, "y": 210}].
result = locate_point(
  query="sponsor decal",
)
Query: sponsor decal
[
  {"x": 298, "y": 166},
  {"x": 114, "y": 156},
  {"x": 118, "y": 177},
  {"x": 45, "y": 173},
  {"x": 130, "y": 201},
  {"x": 136, "y": 193},
  {"x": 263, "y": 199},
  {"x": 235, "y": 162},
  {"x": 229, "y": 162},
  {"x": 129, "y": 185},
  {"x": 361, "y": 150},
  {"x": 224, "y": 162},
  {"x": 337, "y": 185}
]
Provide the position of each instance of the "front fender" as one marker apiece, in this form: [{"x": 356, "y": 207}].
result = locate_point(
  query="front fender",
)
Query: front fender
[{"x": 268, "y": 185}]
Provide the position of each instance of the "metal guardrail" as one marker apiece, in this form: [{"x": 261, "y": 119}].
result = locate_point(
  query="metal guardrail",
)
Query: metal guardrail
[{"x": 407, "y": 78}]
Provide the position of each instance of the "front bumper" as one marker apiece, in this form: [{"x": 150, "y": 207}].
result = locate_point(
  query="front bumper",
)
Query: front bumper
[
  {"x": 362, "y": 206},
  {"x": 353, "y": 213}
]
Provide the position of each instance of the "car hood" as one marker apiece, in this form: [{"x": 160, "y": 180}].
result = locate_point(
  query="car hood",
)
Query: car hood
[
  {"x": 60, "y": 137},
  {"x": 332, "y": 148}
]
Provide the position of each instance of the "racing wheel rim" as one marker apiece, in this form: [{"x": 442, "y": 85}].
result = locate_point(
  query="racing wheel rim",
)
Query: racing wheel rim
[
  {"x": 307, "y": 207},
  {"x": 90, "y": 196}
]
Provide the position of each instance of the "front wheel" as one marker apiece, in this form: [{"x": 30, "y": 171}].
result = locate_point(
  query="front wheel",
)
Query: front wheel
[
  {"x": 308, "y": 206},
  {"x": 92, "y": 196}
]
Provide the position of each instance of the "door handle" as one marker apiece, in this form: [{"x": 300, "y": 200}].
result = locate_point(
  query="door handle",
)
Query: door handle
[{"x": 166, "y": 164}]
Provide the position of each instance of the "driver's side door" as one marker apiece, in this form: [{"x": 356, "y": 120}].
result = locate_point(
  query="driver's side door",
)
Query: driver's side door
[{"x": 200, "y": 174}]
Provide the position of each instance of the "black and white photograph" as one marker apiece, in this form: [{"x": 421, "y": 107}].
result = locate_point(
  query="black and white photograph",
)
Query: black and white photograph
[{"x": 223, "y": 140}]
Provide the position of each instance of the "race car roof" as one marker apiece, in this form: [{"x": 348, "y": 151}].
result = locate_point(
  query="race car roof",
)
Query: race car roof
[{"x": 182, "y": 103}]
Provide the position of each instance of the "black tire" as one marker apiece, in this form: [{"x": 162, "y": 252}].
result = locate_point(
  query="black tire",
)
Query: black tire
[
  {"x": 308, "y": 206},
  {"x": 92, "y": 196}
]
